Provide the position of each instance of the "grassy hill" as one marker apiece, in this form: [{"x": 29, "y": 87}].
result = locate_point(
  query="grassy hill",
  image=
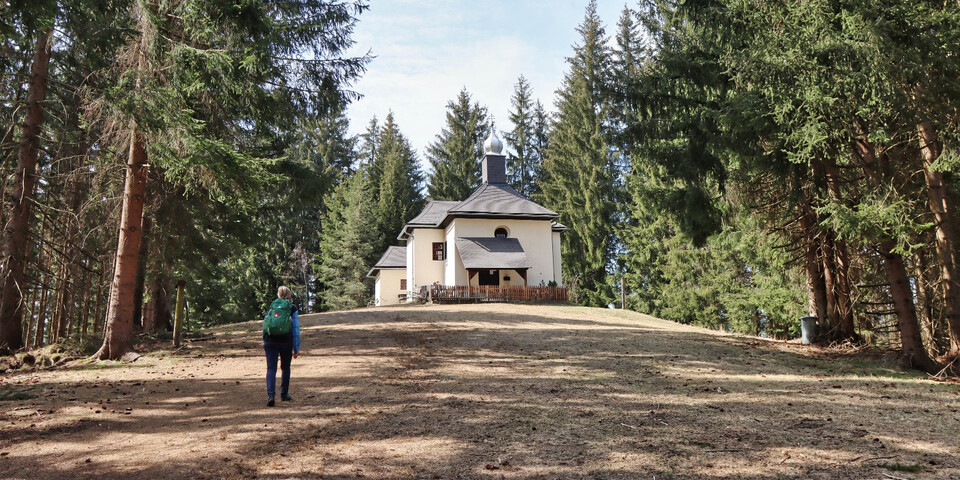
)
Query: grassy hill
[{"x": 485, "y": 392}]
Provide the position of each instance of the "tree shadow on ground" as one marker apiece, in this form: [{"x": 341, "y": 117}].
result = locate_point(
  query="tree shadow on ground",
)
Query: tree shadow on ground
[{"x": 473, "y": 393}]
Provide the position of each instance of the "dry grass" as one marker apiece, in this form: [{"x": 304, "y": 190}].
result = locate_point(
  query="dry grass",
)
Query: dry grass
[{"x": 485, "y": 392}]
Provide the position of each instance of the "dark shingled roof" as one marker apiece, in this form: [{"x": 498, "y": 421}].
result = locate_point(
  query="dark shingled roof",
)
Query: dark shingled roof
[
  {"x": 501, "y": 200},
  {"x": 490, "y": 200},
  {"x": 491, "y": 253},
  {"x": 394, "y": 257},
  {"x": 433, "y": 213}
]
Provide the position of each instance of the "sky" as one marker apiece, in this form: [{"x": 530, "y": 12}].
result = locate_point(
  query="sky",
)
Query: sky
[{"x": 428, "y": 50}]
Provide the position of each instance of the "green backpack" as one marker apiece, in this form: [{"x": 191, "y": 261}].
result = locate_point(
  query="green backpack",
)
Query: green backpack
[{"x": 277, "y": 321}]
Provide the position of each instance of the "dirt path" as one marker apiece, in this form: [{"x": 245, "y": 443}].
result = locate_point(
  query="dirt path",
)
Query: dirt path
[{"x": 485, "y": 392}]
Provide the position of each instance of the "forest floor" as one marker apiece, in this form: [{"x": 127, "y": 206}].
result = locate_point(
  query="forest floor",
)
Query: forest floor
[{"x": 483, "y": 392}]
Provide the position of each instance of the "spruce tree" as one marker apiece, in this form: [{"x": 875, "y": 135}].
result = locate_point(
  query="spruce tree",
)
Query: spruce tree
[
  {"x": 540, "y": 143},
  {"x": 347, "y": 244},
  {"x": 455, "y": 154},
  {"x": 578, "y": 182},
  {"x": 368, "y": 149},
  {"x": 628, "y": 59},
  {"x": 398, "y": 193},
  {"x": 523, "y": 162},
  {"x": 17, "y": 208},
  {"x": 323, "y": 155},
  {"x": 205, "y": 92},
  {"x": 322, "y": 158}
]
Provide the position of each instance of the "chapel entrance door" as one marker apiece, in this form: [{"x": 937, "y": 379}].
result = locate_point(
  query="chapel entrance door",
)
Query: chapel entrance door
[{"x": 489, "y": 277}]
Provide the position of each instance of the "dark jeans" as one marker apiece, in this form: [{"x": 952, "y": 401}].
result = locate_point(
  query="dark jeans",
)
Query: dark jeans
[{"x": 285, "y": 352}]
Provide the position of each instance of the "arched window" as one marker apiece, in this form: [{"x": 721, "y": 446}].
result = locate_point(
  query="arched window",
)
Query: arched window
[{"x": 500, "y": 232}]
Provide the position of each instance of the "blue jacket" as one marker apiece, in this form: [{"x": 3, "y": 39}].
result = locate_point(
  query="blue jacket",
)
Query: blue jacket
[{"x": 291, "y": 338}]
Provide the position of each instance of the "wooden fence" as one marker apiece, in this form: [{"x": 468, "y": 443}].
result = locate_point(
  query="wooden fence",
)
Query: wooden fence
[{"x": 445, "y": 294}]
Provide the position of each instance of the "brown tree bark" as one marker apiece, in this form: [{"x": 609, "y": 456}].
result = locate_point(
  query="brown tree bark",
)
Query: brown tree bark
[
  {"x": 912, "y": 351},
  {"x": 59, "y": 324},
  {"x": 831, "y": 328},
  {"x": 945, "y": 231},
  {"x": 138, "y": 304},
  {"x": 813, "y": 267},
  {"x": 69, "y": 268},
  {"x": 841, "y": 263},
  {"x": 925, "y": 295},
  {"x": 159, "y": 315},
  {"x": 97, "y": 315},
  {"x": 30, "y": 309},
  {"x": 18, "y": 218},
  {"x": 41, "y": 316},
  {"x": 84, "y": 314},
  {"x": 118, "y": 333}
]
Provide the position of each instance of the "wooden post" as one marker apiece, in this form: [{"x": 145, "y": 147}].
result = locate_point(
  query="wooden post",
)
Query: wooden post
[{"x": 178, "y": 316}]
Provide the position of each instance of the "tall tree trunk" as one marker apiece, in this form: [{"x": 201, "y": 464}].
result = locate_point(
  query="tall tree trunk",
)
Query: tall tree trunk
[
  {"x": 30, "y": 323},
  {"x": 41, "y": 316},
  {"x": 848, "y": 329},
  {"x": 75, "y": 189},
  {"x": 836, "y": 275},
  {"x": 832, "y": 324},
  {"x": 83, "y": 301},
  {"x": 118, "y": 333},
  {"x": 34, "y": 303},
  {"x": 925, "y": 299},
  {"x": 841, "y": 262},
  {"x": 138, "y": 319},
  {"x": 161, "y": 303},
  {"x": 18, "y": 219},
  {"x": 912, "y": 353},
  {"x": 97, "y": 315},
  {"x": 813, "y": 267},
  {"x": 86, "y": 304},
  {"x": 61, "y": 301},
  {"x": 945, "y": 231}
]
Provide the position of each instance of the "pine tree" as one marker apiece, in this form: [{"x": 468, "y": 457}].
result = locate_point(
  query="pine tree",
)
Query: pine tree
[
  {"x": 540, "y": 142},
  {"x": 17, "y": 208},
  {"x": 347, "y": 244},
  {"x": 369, "y": 149},
  {"x": 456, "y": 152},
  {"x": 814, "y": 122},
  {"x": 204, "y": 115},
  {"x": 398, "y": 191},
  {"x": 628, "y": 57},
  {"x": 523, "y": 162},
  {"x": 578, "y": 182},
  {"x": 322, "y": 158}
]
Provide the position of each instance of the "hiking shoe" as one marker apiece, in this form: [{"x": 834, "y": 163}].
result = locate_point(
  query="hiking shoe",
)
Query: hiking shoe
[
  {"x": 286, "y": 398},
  {"x": 270, "y": 401}
]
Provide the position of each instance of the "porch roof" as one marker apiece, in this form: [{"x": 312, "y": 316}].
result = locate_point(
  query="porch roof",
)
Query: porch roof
[{"x": 479, "y": 253}]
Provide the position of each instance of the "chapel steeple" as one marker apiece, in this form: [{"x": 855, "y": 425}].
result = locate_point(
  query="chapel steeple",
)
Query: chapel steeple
[{"x": 494, "y": 164}]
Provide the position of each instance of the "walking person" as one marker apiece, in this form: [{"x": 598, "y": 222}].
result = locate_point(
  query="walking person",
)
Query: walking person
[{"x": 281, "y": 339}]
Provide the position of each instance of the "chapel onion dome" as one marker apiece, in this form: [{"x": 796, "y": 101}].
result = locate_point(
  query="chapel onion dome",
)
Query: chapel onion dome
[{"x": 492, "y": 145}]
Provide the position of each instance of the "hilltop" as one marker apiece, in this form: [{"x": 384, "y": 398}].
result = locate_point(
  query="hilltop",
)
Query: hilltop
[{"x": 484, "y": 391}]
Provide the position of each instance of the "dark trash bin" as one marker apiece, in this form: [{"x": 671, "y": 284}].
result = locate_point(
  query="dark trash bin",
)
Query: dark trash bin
[{"x": 808, "y": 329}]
